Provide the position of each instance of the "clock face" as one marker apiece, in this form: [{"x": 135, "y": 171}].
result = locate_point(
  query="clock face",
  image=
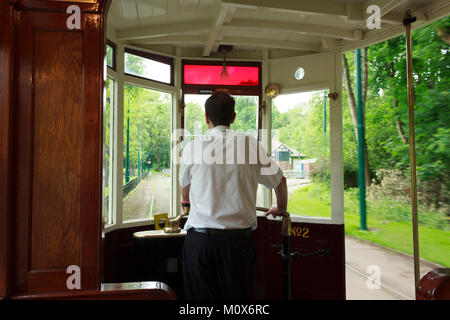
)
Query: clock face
[{"x": 299, "y": 73}]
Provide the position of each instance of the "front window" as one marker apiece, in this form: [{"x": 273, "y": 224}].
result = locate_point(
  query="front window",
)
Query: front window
[{"x": 246, "y": 109}]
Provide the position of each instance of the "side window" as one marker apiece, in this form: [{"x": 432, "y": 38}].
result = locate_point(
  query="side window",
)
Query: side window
[
  {"x": 108, "y": 152},
  {"x": 301, "y": 147},
  {"x": 111, "y": 55},
  {"x": 146, "y": 153},
  {"x": 149, "y": 66}
]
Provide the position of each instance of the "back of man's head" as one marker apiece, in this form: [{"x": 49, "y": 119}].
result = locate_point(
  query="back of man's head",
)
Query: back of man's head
[{"x": 220, "y": 109}]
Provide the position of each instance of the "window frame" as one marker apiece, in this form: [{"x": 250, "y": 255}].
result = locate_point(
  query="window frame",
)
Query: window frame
[
  {"x": 111, "y": 168},
  {"x": 151, "y": 56},
  {"x": 138, "y": 222},
  {"x": 121, "y": 78}
]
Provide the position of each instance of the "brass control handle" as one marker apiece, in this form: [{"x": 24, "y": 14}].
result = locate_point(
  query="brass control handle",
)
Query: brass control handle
[
  {"x": 174, "y": 224},
  {"x": 286, "y": 227}
]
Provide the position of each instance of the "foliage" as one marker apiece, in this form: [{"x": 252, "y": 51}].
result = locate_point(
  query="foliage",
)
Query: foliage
[
  {"x": 386, "y": 112},
  {"x": 148, "y": 113},
  {"x": 302, "y": 128},
  {"x": 389, "y": 221}
]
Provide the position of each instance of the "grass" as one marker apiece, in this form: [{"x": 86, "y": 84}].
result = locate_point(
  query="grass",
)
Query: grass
[{"x": 389, "y": 222}]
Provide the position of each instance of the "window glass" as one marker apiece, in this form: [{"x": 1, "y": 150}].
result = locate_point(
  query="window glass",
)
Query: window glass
[
  {"x": 108, "y": 144},
  {"x": 147, "y": 68},
  {"x": 146, "y": 153},
  {"x": 110, "y": 56},
  {"x": 301, "y": 147},
  {"x": 213, "y": 75}
]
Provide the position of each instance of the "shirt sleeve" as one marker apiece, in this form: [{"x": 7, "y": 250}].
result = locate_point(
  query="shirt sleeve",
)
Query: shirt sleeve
[
  {"x": 185, "y": 167},
  {"x": 270, "y": 173}
]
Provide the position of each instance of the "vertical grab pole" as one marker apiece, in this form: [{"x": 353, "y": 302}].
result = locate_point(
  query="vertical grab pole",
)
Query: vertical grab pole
[
  {"x": 324, "y": 123},
  {"x": 286, "y": 231},
  {"x": 361, "y": 142},
  {"x": 127, "y": 170},
  {"x": 412, "y": 148}
]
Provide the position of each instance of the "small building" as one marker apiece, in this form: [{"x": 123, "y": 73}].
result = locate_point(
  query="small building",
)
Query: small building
[{"x": 291, "y": 161}]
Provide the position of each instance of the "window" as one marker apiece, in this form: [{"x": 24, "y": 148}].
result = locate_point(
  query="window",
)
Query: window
[
  {"x": 108, "y": 154},
  {"x": 246, "y": 109},
  {"x": 149, "y": 66},
  {"x": 111, "y": 54},
  {"x": 146, "y": 153},
  {"x": 301, "y": 147}
]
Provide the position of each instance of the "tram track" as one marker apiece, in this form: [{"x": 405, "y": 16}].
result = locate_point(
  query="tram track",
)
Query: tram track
[{"x": 386, "y": 287}]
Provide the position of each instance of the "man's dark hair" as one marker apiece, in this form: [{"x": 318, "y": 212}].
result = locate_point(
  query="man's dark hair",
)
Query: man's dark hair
[{"x": 220, "y": 108}]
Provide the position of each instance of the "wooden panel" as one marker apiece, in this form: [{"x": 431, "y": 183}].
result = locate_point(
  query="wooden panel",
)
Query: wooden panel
[
  {"x": 312, "y": 278},
  {"x": 57, "y": 150},
  {"x": 57, "y": 156},
  {"x": 6, "y": 58}
]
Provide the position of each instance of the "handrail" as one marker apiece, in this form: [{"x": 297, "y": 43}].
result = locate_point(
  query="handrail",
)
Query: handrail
[{"x": 149, "y": 290}]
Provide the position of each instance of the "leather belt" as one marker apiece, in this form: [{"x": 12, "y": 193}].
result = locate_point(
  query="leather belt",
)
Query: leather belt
[{"x": 223, "y": 232}]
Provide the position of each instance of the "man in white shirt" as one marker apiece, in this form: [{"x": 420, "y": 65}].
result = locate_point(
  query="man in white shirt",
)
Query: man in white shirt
[{"x": 219, "y": 176}]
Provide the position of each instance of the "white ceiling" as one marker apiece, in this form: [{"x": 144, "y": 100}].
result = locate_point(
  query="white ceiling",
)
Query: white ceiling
[{"x": 283, "y": 27}]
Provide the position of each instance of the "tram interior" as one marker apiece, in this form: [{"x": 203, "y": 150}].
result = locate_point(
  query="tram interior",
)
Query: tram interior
[
  {"x": 162, "y": 59},
  {"x": 261, "y": 44},
  {"x": 297, "y": 48}
]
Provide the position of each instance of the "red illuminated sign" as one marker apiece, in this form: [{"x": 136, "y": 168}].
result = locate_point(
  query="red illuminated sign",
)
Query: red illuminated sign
[{"x": 210, "y": 75}]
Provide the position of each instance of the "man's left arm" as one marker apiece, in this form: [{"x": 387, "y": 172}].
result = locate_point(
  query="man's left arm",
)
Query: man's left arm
[{"x": 185, "y": 193}]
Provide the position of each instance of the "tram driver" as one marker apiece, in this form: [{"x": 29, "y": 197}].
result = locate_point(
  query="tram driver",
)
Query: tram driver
[{"x": 218, "y": 255}]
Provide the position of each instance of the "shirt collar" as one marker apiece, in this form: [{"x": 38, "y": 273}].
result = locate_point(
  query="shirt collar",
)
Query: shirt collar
[{"x": 214, "y": 130}]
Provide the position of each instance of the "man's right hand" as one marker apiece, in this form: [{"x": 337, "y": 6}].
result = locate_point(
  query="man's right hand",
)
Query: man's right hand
[
  {"x": 282, "y": 200},
  {"x": 275, "y": 212}
]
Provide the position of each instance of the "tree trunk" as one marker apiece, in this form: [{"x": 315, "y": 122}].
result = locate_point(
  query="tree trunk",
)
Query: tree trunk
[
  {"x": 400, "y": 125},
  {"x": 350, "y": 95},
  {"x": 352, "y": 105},
  {"x": 365, "y": 78}
]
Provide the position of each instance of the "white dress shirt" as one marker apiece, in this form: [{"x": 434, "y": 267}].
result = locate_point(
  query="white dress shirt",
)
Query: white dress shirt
[{"x": 223, "y": 169}]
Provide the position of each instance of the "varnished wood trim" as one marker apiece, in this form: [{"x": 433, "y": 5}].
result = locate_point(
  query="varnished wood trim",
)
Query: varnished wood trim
[{"x": 6, "y": 63}]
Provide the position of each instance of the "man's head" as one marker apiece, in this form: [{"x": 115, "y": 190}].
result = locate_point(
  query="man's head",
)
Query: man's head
[{"x": 219, "y": 109}]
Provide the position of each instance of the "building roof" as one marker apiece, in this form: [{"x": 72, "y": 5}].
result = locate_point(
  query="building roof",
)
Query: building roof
[{"x": 293, "y": 153}]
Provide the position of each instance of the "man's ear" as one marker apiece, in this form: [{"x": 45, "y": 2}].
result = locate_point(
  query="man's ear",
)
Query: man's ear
[
  {"x": 206, "y": 119},
  {"x": 234, "y": 118}
]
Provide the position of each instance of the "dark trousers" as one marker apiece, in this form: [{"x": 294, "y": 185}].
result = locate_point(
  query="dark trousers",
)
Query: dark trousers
[{"x": 217, "y": 267}]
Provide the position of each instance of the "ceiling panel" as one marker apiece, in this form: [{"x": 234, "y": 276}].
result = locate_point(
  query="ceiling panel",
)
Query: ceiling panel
[{"x": 196, "y": 16}]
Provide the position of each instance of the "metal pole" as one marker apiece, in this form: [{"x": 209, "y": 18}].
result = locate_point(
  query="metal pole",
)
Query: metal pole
[
  {"x": 412, "y": 148},
  {"x": 127, "y": 170},
  {"x": 324, "y": 122},
  {"x": 361, "y": 142},
  {"x": 139, "y": 152},
  {"x": 324, "y": 111},
  {"x": 287, "y": 267}
]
